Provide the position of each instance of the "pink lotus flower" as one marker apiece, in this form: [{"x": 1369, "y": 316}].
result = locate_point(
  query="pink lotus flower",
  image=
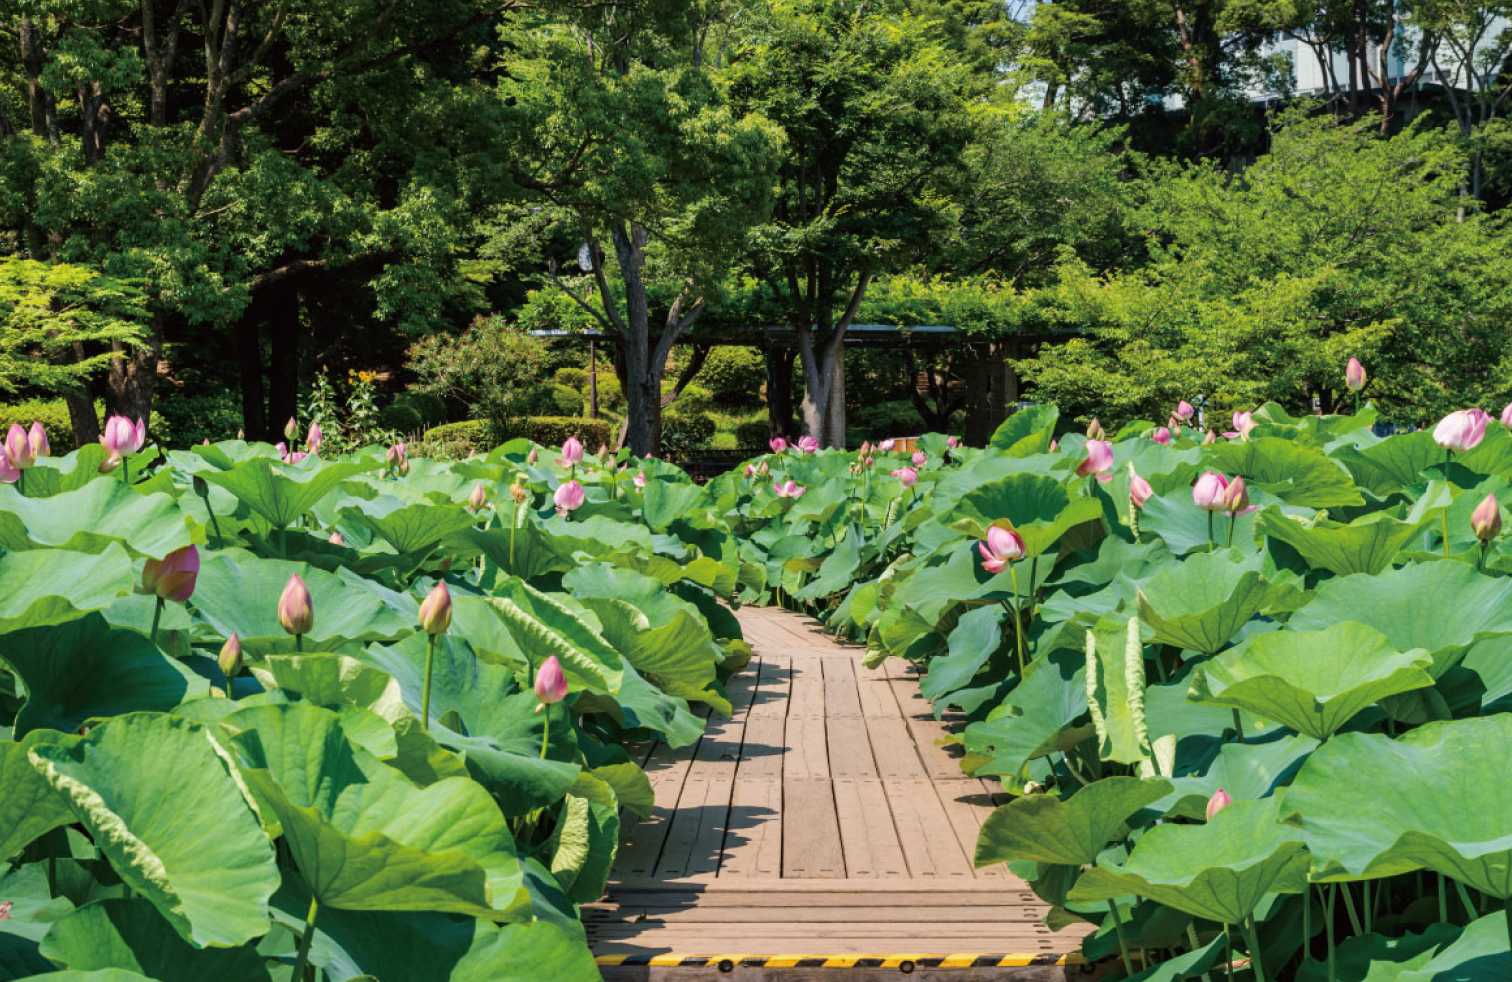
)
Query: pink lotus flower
[
  {"x": 18, "y": 448},
  {"x": 436, "y": 610},
  {"x": 139, "y": 430},
  {"x": 1208, "y": 493},
  {"x": 808, "y": 444},
  {"x": 10, "y": 475},
  {"x": 1162, "y": 436},
  {"x": 532, "y": 457},
  {"x": 478, "y": 498},
  {"x": 1054, "y": 446},
  {"x": 952, "y": 442},
  {"x": 1184, "y": 411},
  {"x": 173, "y": 576},
  {"x": 1461, "y": 430},
  {"x": 788, "y": 489},
  {"x": 1506, "y": 416},
  {"x": 1486, "y": 520},
  {"x": 572, "y": 452},
  {"x": 336, "y": 539},
  {"x": 778, "y": 444},
  {"x": 750, "y": 470},
  {"x": 1243, "y": 423},
  {"x": 120, "y": 437},
  {"x": 1139, "y": 491},
  {"x": 763, "y": 470},
  {"x": 1354, "y": 375},
  {"x": 1001, "y": 547},
  {"x": 313, "y": 438},
  {"x": 1218, "y": 802},
  {"x": 907, "y": 476},
  {"x": 296, "y": 609},
  {"x": 37, "y": 437},
  {"x": 295, "y": 457},
  {"x": 1099, "y": 460},
  {"x": 282, "y": 448},
  {"x": 550, "y": 683},
  {"x": 640, "y": 478},
  {"x": 569, "y": 497},
  {"x": 920, "y": 458},
  {"x": 1236, "y": 497},
  {"x": 886, "y": 446}
]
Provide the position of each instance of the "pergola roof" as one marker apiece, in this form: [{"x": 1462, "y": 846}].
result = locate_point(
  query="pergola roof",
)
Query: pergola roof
[{"x": 777, "y": 336}]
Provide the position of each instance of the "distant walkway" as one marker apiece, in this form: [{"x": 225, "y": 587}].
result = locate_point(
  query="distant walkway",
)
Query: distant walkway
[{"x": 821, "y": 820}]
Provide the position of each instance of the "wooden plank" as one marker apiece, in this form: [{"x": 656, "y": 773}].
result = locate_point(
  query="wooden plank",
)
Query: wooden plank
[
  {"x": 939, "y": 912},
  {"x": 773, "y": 688},
  {"x": 792, "y": 973},
  {"x": 811, "y": 847},
  {"x": 923, "y": 828},
  {"x": 867, "y": 834},
  {"x": 696, "y": 937},
  {"x": 841, "y": 697},
  {"x": 641, "y": 844},
  {"x": 968, "y": 805},
  {"x": 753, "y": 838},
  {"x": 778, "y": 891},
  {"x": 806, "y": 693}
]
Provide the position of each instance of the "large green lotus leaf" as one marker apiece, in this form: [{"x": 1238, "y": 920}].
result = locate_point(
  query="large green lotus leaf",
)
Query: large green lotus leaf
[
  {"x": 1041, "y": 509},
  {"x": 1366, "y": 545},
  {"x": 1479, "y": 953},
  {"x": 544, "y": 624},
  {"x": 282, "y": 493},
  {"x": 55, "y": 475},
  {"x": 86, "y": 668},
  {"x": 1450, "y": 808},
  {"x": 499, "y": 733},
  {"x": 972, "y": 642},
  {"x": 1377, "y": 958},
  {"x": 89, "y": 519},
  {"x": 1394, "y": 463},
  {"x": 1183, "y": 527},
  {"x": 364, "y": 836},
  {"x": 527, "y": 552},
  {"x": 1074, "y": 831},
  {"x": 584, "y": 844},
  {"x": 238, "y": 592},
  {"x": 664, "y": 502},
  {"x": 596, "y": 535},
  {"x": 1246, "y": 771},
  {"x": 29, "y": 807},
  {"x": 51, "y": 586},
  {"x": 639, "y": 704},
  {"x": 838, "y": 568},
  {"x": 1219, "y": 870},
  {"x": 331, "y": 680},
  {"x": 1312, "y": 681},
  {"x": 1028, "y": 431},
  {"x": 410, "y": 527},
  {"x": 131, "y": 934},
  {"x": 1203, "y": 602},
  {"x": 1193, "y": 963},
  {"x": 204, "y": 862},
  {"x": 103, "y": 975},
  {"x": 1297, "y": 474},
  {"x": 1122, "y": 734},
  {"x": 1410, "y": 605},
  {"x": 1037, "y": 717}
]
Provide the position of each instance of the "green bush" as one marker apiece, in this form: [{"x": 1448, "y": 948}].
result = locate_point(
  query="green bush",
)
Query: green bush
[
  {"x": 453, "y": 441},
  {"x": 694, "y": 399},
  {"x": 552, "y": 431},
  {"x": 887, "y": 419},
  {"x": 566, "y": 401},
  {"x": 51, "y": 413},
  {"x": 574, "y": 378},
  {"x": 734, "y": 376},
  {"x": 191, "y": 419},
  {"x": 681, "y": 431},
  {"x": 752, "y": 433},
  {"x": 412, "y": 412}
]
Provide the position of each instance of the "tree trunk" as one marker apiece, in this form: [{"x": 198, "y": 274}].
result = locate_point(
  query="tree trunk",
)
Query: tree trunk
[
  {"x": 779, "y": 391},
  {"x": 981, "y": 420},
  {"x": 642, "y": 379},
  {"x": 133, "y": 374},
  {"x": 834, "y": 415},
  {"x": 283, "y": 364},
  {"x": 254, "y": 397}
]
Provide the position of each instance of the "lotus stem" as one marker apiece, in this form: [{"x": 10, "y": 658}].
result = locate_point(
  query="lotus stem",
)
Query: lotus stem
[
  {"x": 430, "y": 660},
  {"x": 1306, "y": 919},
  {"x": 1349, "y": 908},
  {"x": 1018, "y": 621},
  {"x": 299, "y": 642},
  {"x": 1233, "y": 520},
  {"x": 1507, "y": 913},
  {"x": 545, "y": 730},
  {"x": 1228, "y": 938},
  {"x": 1443, "y": 900},
  {"x": 157, "y": 616},
  {"x": 1123, "y": 944},
  {"x": 1444, "y": 515},
  {"x": 1211, "y": 546},
  {"x": 1252, "y": 938},
  {"x": 1365, "y": 905},
  {"x": 1472, "y": 909},
  {"x": 302, "y": 959},
  {"x": 21, "y": 483},
  {"x": 1191, "y": 933},
  {"x": 1238, "y": 726},
  {"x": 1328, "y": 923}
]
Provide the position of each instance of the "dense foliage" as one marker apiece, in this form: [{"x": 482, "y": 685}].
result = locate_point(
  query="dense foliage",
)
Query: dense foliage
[
  {"x": 1248, "y": 694},
  {"x": 272, "y": 716}
]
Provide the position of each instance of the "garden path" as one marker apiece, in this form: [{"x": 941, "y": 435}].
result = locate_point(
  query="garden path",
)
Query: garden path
[{"x": 821, "y": 821}]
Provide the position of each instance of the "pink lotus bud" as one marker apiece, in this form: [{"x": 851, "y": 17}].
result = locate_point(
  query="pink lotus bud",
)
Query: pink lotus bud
[
  {"x": 866, "y": 446},
  {"x": 119, "y": 437},
  {"x": 1099, "y": 459},
  {"x": 282, "y": 448},
  {"x": 436, "y": 610},
  {"x": 572, "y": 451},
  {"x": 778, "y": 444},
  {"x": 1354, "y": 375},
  {"x": 907, "y": 476},
  {"x": 295, "y": 457},
  {"x": 5, "y": 909},
  {"x": 446, "y": 564},
  {"x": 1209, "y": 490},
  {"x": 230, "y": 658},
  {"x": 37, "y": 437},
  {"x": 603, "y": 450},
  {"x": 1210, "y": 439},
  {"x": 140, "y": 432},
  {"x": 241, "y": 434},
  {"x": 550, "y": 683},
  {"x": 788, "y": 489},
  {"x": 1095, "y": 430},
  {"x": 1162, "y": 436},
  {"x": 10, "y": 475},
  {"x": 808, "y": 444},
  {"x": 953, "y": 443},
  {"x": 1218, "y": 802},
  {"x": 640, "y": 479},
  {"x": 1506, "y": 416},
  {"x": 750, "y": 470},
  {"x": 404, "y": 466},
  {"x": 569, "y": 497},
  {"x": 205, "y": 442},
  {"x": 886, "y": 446},
  {"x": 1461, "y": 430},
  {"x": 314, "y": 438},
  {"x": 336, "y": 539},
  {"x": 478, "y": 498},
  {"x": 1243, "y": 423},
  {"x": 1139, "y": 491},
  {"x": 1001, "y": 547},
  {"x": 920, "y": 458},
  {"x": 291, "y": 429},
  {"x": 173, "y": 576},
  {"x": 1236, "y": 497},
  {"x": 1054, "y": 446},
  {"x": 18, "y": 448},
  {"x": 296, "y": 610},
  {"x": 532, "y": 457},
  {"x": 763, "y": 470},
  {"x": 1486, "y": 520},
  {"x": 1184, "y": 411}
]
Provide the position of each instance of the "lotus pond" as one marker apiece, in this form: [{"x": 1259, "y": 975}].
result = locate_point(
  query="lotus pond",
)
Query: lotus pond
[{"x": 273, "y": 716}]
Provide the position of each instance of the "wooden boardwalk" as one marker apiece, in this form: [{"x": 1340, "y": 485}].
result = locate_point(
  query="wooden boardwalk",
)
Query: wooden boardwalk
[{"x": 821, "y": 824}]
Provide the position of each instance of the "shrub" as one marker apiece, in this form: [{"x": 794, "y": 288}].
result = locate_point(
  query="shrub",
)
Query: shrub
[
  {"x": 190, "y": 419},
  {"x": 412, "y": 412},
  {"x": 566, "y": 401},
  {"x": 752, "y": 433},
  {"x": 573, "y": 378},
  {"x": 553, "y": 431},
  {"x": 887, "y": 419},
  {"x": 682, "y": 431},
  {"x": 453, "y": 441},
  {"x": 495, "y": 367},
  {"x": 734, "y": 376},
  {"x": 51, "y": 413}
]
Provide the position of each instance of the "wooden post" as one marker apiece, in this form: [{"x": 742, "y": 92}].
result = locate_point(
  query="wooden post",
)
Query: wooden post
[{"x": 592, "y": 378}]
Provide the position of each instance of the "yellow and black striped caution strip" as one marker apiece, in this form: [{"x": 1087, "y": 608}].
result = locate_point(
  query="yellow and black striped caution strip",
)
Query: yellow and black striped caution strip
[{"x": 906, "y": 963}]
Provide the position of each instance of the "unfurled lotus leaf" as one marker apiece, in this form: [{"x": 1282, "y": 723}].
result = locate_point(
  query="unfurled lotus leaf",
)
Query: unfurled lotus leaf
[
  {"x": 1203, "y": 602},
  {"x": 1041, "y": 509},
  {"x": 972, "y": 642},
  {"x": 1028, "y": 431},
  {"x": 1037, "y": 718},
  {"x": 29, "y": 806},
  {"x": 1045, "y": 829},
  {"x": 1189, "y": 965},
  {"x": 204, "y": 862},
  {"x": 583, "y": 845},
  {"x": 1297, "y": 474},
  {"x": 86, "y": 669},
  {"x": 1183, "y": 527},
  {"x": 1378, "y": 958},
  {"x": 527, "y": 551},
  {"x": 411, "y": 527},
  {"x": 546, "y": 625},
  {"x": 1312, "y": 681},
  {"x": 90, "y": 518},
  {"x": 1115, "y": 690},
  {"x": 281, "y": 493},
  {"x": 333, "y": 680},
  {"x": 51, "y": 586},
  {"x": 1449, "y": 810},
  {"x": 1219, "y": 870},
  {"x": 363, "y": 835},
  {"x": 1366, "y": 545},
  {"x": 597, "y": 535},
  {"x": 664, "y": 502},
  {"x": 131, "y": 934},
  {"x": 1247, "y": 771}
]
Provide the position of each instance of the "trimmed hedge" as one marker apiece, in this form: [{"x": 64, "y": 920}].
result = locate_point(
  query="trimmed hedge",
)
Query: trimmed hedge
[
  {"x": 454, "y": 440},
  {"x": 554, "y": 431},
  {"x": 735, "y": 376},
  {"x": 752, "y": 433},
  {"x": 684, "y": 430},
  {"x": 51, "y": 413}
]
